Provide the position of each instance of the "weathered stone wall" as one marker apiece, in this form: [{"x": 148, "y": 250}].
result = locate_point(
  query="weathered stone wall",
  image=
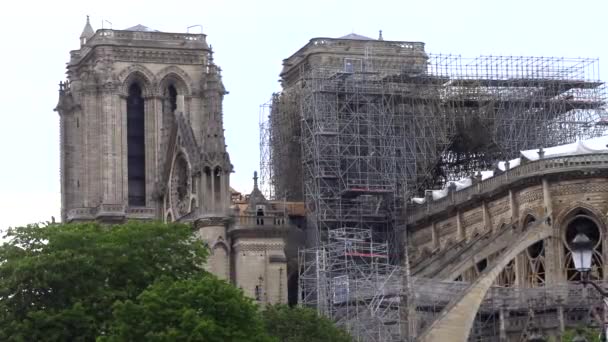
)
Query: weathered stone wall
[
  {"x": 261, "y": 263},
  {"x": 492, "y": 214}
]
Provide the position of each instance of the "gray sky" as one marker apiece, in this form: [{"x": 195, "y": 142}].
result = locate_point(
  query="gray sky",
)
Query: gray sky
[{"x": 250, "y": 39}]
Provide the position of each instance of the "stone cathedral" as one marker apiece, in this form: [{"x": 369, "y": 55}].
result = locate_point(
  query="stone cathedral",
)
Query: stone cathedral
[{"x": 142, "y": 138}]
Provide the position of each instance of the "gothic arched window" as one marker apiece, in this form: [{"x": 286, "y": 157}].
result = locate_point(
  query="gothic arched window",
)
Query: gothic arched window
[
  {"x": 136, "y": 149},
  {"x": 172, "y": 98},
  {"x": 584, "y": 223}
]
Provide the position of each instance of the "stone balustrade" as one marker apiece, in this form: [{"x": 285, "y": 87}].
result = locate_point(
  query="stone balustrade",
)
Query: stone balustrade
[
  {"x": 552, "y": 165},
  {"x": 149, "y": 35},
  {"x": 117, "y": 211},
  {"x": 266, "y": 221}
]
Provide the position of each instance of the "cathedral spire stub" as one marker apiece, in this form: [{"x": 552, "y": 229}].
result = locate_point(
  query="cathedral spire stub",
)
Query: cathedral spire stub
[
  {"x": 255, "y": 180},
  {"x": 87, "y": 32}
]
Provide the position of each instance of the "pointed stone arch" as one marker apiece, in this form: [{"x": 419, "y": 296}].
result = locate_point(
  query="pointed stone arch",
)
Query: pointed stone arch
[
  {"x": 577, "y": 212},
  {"x": 219, "y": 259},
  {"x": 139, "y": 74},
  {"x": 454, "y": 323},
  {"x": 528, "y": 216},
  {"x": 176, "y": 76},
  {"x": 566, "y": 213}
]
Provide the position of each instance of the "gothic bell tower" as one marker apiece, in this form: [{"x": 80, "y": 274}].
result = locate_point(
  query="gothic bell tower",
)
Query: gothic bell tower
[{"x": 141, "y": 129}]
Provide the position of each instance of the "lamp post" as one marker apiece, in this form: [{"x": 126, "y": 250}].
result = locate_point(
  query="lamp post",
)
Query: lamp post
[{"x": 582, "y": 253}]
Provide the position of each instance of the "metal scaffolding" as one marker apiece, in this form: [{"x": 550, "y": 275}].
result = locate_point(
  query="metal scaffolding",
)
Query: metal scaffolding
[
  {"x": 354, "y": 143},
  {"x": 349, "y": 279}
]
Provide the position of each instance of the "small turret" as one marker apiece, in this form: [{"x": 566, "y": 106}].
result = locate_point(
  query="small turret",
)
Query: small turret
[{"x": 87, "y": 33}]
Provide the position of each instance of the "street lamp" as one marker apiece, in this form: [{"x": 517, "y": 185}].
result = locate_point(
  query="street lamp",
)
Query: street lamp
[{"x": 582, "y": 253}]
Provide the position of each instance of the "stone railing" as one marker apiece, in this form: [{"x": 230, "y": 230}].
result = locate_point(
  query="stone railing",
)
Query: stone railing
[
  {"x": 260, "y": 221},
  {"x": 103, "y": 211},
  {"x": 529, "y": 169},
  {"x": 141, "y": 213},
  {"x": 149, "y": 35},
  {"x": 416, "y": 46}
]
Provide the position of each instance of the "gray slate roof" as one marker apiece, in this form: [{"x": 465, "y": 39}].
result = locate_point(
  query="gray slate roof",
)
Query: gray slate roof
[
  {"x": 355, "y": 36},
  {"x": 141, "y": 28},
  {"x": 87, "y": 32}
]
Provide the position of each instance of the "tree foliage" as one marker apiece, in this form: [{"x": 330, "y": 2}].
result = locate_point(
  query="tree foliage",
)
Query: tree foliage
[
  {"x": 59, "y": 282},
  {"x": 298, "y": 324},
  {"x": 592, "y": 335},
  {"x": 204, "y": 309},
  {"x": 139, "y": 281}
]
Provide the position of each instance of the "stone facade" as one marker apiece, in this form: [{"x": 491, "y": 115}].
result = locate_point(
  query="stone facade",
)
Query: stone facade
[
  {"x": 484, "y": 235},
  {"x": 117, "y": 166},
  {"x": 142, "y": 138}
]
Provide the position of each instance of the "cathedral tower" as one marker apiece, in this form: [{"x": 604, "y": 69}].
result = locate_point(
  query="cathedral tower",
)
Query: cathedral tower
[{"x": 141, "y": 129}]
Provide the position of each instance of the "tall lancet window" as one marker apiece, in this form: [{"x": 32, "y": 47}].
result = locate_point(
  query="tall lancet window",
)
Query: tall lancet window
[
  {"x": 172, "y": 97},
  {"x": 136, "y": 147}
]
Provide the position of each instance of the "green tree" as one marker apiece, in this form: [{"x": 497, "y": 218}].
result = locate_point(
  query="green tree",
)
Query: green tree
[
  {"x": 592, "y": 335},
  {"x": 59, "y": 282},
  {"x": 205, "y": 309},
  {"x": 297, "y": 324}
]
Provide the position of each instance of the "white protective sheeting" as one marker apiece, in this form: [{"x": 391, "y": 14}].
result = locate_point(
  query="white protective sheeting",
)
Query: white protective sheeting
[{"x": 593, "y": 145}]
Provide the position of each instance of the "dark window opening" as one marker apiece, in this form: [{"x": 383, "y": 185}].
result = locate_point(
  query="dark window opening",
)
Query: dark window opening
[
  {"x": 258, "y": 293},
  {"x": 136, "y": 150},
  {"x": 217, "y": 184},
  {"x": 536, "y": 249},
  {"x": 172, "y": 93},
  {"x": 585, "y": 225},
  {"x": 260, "y": 216},
  {"x": 208, "y": 189},
  {"x": 292, "y": 289}
]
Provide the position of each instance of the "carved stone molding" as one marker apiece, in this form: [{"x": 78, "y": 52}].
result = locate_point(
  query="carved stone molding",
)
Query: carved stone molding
[
  {"x": 211, "y": 221},
  {"x": 564, "y": 214},
  {"x": 172, "y": 72},
  {"x": 258, "y": 247},
  {"x": 531, "y": 196},
  {"x": 141, "y": 73},
  {"x": 571, "y": 189}
]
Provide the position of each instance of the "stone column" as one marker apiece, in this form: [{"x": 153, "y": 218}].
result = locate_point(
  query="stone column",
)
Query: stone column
[
  {"x": 150, "y": 141},
  {"x": 211, "y": 230},
  {"x": 111, "y": 145},
  {"x": 227, "y": 194},
  {"x": 502, "y": 316},
  {"x": 552, "y": 244},
  {"x": 211, "y": 197},
  {"x": 435, "y": 236},
  {"x": 487, "y": 220},
  {"x": 560, "y": 316},
  {"x": 514, "y": 207},
  {"x": 547, "y": 201},
  {"x": 460, "y": 229}
]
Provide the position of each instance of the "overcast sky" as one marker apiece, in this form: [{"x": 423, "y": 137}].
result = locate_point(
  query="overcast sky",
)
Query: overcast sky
[{"x": 250, "y": 39}]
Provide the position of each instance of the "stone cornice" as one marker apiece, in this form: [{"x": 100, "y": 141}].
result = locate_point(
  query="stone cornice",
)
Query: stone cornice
[
  {"x": 110, "y": 213},
  {"x": 259, "y": 232},
  {"x": 258, "y": 246},
  {"x": 211, "y": 221}
]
